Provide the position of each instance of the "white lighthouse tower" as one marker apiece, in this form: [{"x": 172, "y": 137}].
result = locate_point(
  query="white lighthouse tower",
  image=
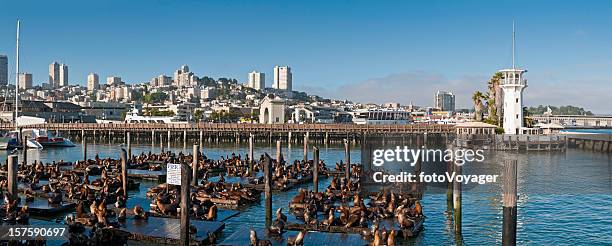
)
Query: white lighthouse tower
[{"x": 513, "y": 83}]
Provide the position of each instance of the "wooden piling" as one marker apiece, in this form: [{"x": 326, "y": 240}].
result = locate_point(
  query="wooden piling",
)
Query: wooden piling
[
  {"x": 268, "y": 188},
  {"x": 194, "y": 165},
  {"x": 84, "y": 142},
  {"x": 457, "y": 201},
  {"x": 278, "y": 152},
  {"x": 25, "y": 150},
  {"x": 306, "y": 147},
  {"x": 185, "y": 203},
  {"x": 12, "y": 176},
  {"x": 168, "y": 140},
  {"x": 315, "y": 172},
  {"x": 251, "y": 155},
  {"x": 347, "y": 159},
  {"x": 124, "y": 175},
  {"x": 201, "y": 138},
  {"x": 129, "y": 145},
  {"x": 449, "y": 188},
  {"x": 509, "y": 197}
]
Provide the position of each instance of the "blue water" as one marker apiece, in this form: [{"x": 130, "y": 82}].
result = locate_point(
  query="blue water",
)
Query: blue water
[{"x": 564, "y": 198}]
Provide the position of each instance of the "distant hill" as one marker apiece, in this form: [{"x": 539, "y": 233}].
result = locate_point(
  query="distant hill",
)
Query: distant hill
[{"x": 562, "y": 110}]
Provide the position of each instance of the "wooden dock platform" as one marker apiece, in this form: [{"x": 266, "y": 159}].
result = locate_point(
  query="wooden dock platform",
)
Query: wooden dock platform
[
  {"x": 222, "y": 214},
  {"x": 159, "y": 230},
  {"x": 42, "y": 207},
  {"x": 241, "y": 237},
  {"x": 159, "y": 176}
]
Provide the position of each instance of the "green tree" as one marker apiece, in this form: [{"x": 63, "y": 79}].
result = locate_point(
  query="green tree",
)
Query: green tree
[{"x": 477, "y": 99}]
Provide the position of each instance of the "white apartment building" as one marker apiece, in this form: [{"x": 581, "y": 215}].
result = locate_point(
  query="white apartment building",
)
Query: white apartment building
[
  {"x": 257, "y": 80},
  {"x": 93, "y": 82},
  {"x": 283, "y": 79}
]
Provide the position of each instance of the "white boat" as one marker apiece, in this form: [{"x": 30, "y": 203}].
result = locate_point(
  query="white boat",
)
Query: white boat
[{"x": 381, "y": 117}]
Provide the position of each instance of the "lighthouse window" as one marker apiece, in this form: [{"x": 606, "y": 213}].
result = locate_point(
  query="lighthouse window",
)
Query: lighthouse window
[
  {"x": 517, "y": 116},
  {"x": 517, "y": 100}
]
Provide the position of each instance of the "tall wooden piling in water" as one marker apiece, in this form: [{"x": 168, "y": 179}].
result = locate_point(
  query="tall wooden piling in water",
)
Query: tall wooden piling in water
[
  {"x": 251, "y": 154},
  {"x": 315, "y": 172},
  {"x": 509, "y": 197},
  {"x": 185, "y": 203},
  {"x": 12, "y": 176},
  {"x": 449, "y": 188},
  {"x": 124, "y": 173},
  {"x": 168, "y": 139},
  {"x": 457, "y": 202},
  {"x": 194, "y": 165},
  {"x": 347, "y": 159},
  {"x": 129, "y": 145},
  {"x": 25, "y": 149},
  {"x": 279, "y": 154},
  {"x": 268, "y": 188},
  {"x": 84, "y": 142},
  {"x": 306, "y": 147}
]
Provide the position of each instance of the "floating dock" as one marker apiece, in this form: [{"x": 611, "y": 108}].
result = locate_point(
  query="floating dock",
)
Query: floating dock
[{"x": 241, "y": 237}]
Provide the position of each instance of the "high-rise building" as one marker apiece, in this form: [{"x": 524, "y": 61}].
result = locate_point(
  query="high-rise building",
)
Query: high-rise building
[
  {"x": 25, "y": 81},
  {"x": 3, "y": 70},
  {"x": 93, "y": 82},
  {"x": 257, "y": 80},
  {"x": 183, "y": 78},
  {"x": 54, "y": 74},
  {"x": 63, "y": 75},
  {"x": 445, "y": 101},
  {"x": 113, "y": 80},
  {"x": 283, "y": 78}
]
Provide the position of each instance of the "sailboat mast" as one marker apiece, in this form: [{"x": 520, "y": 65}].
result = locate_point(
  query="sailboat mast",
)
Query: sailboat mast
[{"x": 17, "y": 78}]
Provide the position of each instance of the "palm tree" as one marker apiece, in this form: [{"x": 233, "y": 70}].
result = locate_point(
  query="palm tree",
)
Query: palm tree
[
  {"x": 494, "y": 101},
  {"x": 477, "y": 99}
]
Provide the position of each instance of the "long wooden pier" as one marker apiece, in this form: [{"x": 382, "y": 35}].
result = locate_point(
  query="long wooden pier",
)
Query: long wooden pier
[
  {"x": 236, "y": 127},
  {"x": 232, "y": 132}
]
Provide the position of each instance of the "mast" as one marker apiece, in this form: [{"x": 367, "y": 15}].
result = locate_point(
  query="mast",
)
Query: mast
[
  {"x": 17, "y": 78},
  {"x": 513, "y": 44}
]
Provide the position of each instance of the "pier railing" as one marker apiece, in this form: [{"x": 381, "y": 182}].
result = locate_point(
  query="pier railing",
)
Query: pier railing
[{"x": 236, "y": 127}]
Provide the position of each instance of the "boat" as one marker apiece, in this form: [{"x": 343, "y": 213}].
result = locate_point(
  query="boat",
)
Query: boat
[
  {"x": 47, "y": 140},
  {"x": 12, "y": 139},
  {"x": 381, "y": 117}
]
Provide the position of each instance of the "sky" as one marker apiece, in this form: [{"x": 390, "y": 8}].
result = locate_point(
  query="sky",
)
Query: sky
[{"x": 366, "y": 51}]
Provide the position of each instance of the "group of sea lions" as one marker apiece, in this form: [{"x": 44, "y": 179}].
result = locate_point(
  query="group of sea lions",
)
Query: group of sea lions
[{"x": 400, "y": 209}]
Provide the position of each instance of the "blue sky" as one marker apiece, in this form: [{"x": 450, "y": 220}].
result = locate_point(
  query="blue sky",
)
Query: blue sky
[{"x": 370, "y": 51}]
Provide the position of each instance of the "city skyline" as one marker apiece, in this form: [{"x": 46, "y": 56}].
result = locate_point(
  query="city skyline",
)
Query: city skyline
[{"x": 377, "y": 47}]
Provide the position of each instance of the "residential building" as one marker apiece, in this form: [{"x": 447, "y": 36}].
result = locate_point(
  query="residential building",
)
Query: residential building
[
  {"x": 25, "y": 81},
  {"x": 54, "y": 75},
  {"x": 182, "y": 77},
  {"x": 445, "y": 101},
  {"x": 63, "y": 75},
  {"x": 93, "y": 82},
  {"x": 257, "y": 80},
  {"x": 3, "y": 70},
  {"x": 283, "y": 79},
  {"x": 113, "y": 81},
  {"x": 161, "y": 80}
]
